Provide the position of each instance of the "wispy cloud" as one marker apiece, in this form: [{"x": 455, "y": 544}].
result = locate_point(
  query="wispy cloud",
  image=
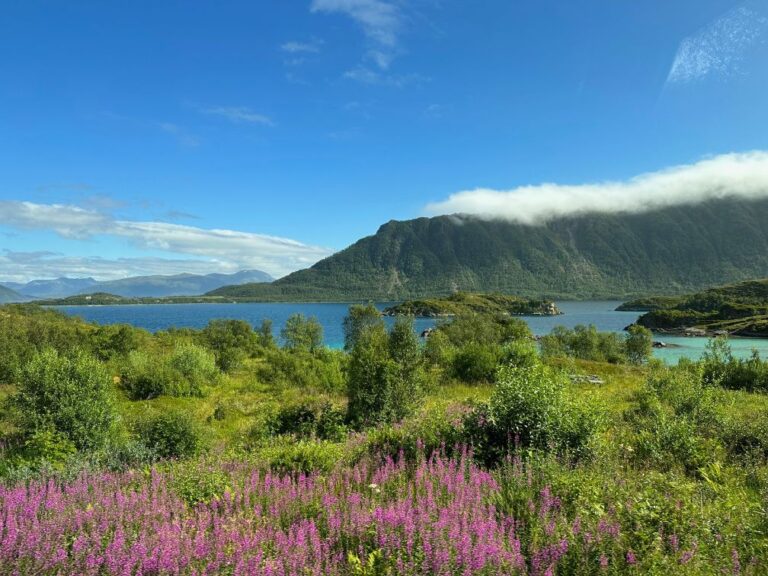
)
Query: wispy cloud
[
  {"x": 182, "y": 136},
  {"x": 238, "y": 115},
  {"x": 380, "y": 20},
  {"x": 293, "y": 47},
  {"x": 719, "y": 48},
  {"x": 366, "y": 75},
  {"x": 742, "y": 175},
  {"x": 220, "y": 247}
]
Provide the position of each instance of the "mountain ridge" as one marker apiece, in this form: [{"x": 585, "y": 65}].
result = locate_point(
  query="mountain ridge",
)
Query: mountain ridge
[
  {"x": 158, "y": 286},
  {"x": 664, "y": 251}
]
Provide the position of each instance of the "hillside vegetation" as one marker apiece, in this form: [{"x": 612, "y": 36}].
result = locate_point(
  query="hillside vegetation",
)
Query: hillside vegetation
[
  {"x": 218, "y": 451},
  {"x": 667, "y": 251},
  {"x": 739, "y": 309},
  {"x": 466, "y": 303}
]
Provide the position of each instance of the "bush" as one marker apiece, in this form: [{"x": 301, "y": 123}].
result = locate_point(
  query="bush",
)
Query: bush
[
  {"x": 302, "y": 334},
  {"x": 677, "y": 421},
  {"x": 638, "y": 344},
  {"x": 70, "y": 397},
  {"x": 184, "y": 373},
  {"x": 170, "y": 435},
  {"x": 231, "y": 341},
  {"x": 385, "y": 379},
  {"x": 319, "y": 420},
  {"x": 323, "y": 370},
  {"x": 197, "y": 484},
  {"x": 529, "y": 409},
  {"x": 585, "y": 343},
  {"x": 476, "y": 362}
]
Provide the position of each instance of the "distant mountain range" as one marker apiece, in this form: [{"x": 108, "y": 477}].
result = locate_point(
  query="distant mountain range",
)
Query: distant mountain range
[
  {"x": 7, "y": 295},
  {"x": 138, "y": 286},
  {"x": 664, "y": 251}
]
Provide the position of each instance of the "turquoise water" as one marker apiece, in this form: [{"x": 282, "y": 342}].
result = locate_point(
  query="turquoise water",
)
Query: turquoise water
[{"x": 602, "y": 314}]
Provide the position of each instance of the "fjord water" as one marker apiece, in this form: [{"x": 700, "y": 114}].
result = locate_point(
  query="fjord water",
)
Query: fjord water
[{"x": 602, "y": 314}]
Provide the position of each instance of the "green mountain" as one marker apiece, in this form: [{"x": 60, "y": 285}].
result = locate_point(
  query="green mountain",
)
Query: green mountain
[
  {"x": 7, "y": 295},
  {"x": 665, "y": 251}
]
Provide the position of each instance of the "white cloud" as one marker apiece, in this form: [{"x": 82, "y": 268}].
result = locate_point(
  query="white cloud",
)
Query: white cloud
[
  {"x": 365, "y": 75},
  {"x": 380, "y": 21},
  {"x": 26, "y": 266},
  {"x": 742, "y": 175},
  {"x": 718, "y": 49},
  {"x": 238, "y": 115},
  {"x": 312, "y": 47},
  {"x": 222, "y": 249},
  {"x": 182, "y": 136},
  {"x": 67, "y": 221}
]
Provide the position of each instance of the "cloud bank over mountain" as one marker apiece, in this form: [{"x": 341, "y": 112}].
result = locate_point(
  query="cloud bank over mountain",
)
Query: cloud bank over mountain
[{"x": 742, "y": 175}]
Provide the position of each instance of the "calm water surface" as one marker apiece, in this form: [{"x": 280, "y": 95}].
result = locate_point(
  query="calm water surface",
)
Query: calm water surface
[{"x": 602, "y": 314}]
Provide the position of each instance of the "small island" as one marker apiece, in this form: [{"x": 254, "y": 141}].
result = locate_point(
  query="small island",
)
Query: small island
[
  {"x": 469, "y": 303},
  {"x": 736, "y": 309}
]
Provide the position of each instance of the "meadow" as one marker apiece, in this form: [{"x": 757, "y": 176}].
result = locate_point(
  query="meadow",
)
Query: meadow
[{"x": 477, "y": 451}]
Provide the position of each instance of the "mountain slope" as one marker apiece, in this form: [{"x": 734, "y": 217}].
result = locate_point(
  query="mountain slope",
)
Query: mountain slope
[
  {"x": 665, "y": 251},
  {"x": 178, "y": 285},
  {"x": 55, "y": 288},
  {"x": 7, "y": 295},
  {"x": 138, "y": 286}
]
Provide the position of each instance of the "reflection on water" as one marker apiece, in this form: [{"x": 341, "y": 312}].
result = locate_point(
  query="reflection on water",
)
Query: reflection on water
[{"x": 602, "y": 314}]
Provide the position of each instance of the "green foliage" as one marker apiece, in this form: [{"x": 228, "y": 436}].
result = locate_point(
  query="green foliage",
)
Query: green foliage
[
  {"x": 302, "y": 334},
  {"x": 677, "y": 420},
  {"x": 529, "y": 409},
  {"x": 584, "y": 343},
  {"x": 467, "y": 304},
  {"x": 638, "y": 344},
  {"x": 322, "y": 370},
  {"x": 170, "y": 435},
  {"x": 264, "y": 334},
  {"x": 476, "y": 362},
  {"x": 199, "y": 484},
  {"x": 358, "y": 318},
  {"x": 68, "y": 396},
  {"x": 719, "y": 367},
  {"x": 385, "y": 376},
  {"x": 184, "y": 372},
  {"x": 286, "y": 456},
  {"x": 484, "y": 329},
  {"x": 310, "y": 420},
  {"x": 26, "y": 330},
  {"x": 117, "y": 340},
  {"x": 230, "y": 340}
]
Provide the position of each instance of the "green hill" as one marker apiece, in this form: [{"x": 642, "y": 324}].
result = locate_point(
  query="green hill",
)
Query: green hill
[
  {"x": 667, "y": 251},
  {"x": 739, "y": 309}
]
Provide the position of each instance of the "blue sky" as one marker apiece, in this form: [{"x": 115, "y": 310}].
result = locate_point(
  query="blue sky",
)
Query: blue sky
[{"x": 158, "y": 137}]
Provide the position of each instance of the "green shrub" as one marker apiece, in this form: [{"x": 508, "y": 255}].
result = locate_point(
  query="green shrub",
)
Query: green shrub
[
  {"x": 287, "y": 456},
  {"x": 323, "y": 370},
  {"x": 476, "y": 362},
  {"x": 232, "y": 341},
  {"x": 585, "y": 343},
  {"x": 199, "y": 484},
  {"x": 197, "y": 366},
  {"x": 529, "y": 409},
  {"x": 170, "y": 435},
  {"x": 310, "y": 420},
  {"x": 148, "y": 376},
  {"x": 385, "y": 379},
  {"x": 302, "y": 334},
  {"x": 70, "y": 397}
]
